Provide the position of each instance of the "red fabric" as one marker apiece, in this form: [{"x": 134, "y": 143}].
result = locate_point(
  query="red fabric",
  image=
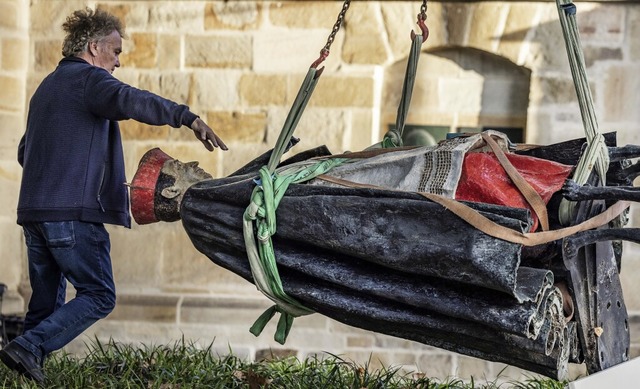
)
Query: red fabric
[
  {"x": 484, "y": 180},
  {"x": 143, "y": 186}
]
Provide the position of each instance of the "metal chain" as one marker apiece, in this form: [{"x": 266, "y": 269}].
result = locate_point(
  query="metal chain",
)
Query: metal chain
[
  {"x": 423, "y": 10},
  {"x": 336, "y": 27},
  {"x": 324, "y": 53}
]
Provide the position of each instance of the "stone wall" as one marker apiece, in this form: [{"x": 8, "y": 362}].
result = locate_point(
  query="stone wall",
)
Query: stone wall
[{"x": 239, "y": 66}]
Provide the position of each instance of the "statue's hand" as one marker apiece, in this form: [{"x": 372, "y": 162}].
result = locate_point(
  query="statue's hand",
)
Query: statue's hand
[{"x": 205, "y": 134}]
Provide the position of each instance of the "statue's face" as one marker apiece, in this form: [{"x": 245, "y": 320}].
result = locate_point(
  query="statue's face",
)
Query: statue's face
[{"x": 186, "y": 174}]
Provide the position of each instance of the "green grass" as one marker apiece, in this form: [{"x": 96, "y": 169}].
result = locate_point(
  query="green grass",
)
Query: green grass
[{"x": 183, "y": 365}]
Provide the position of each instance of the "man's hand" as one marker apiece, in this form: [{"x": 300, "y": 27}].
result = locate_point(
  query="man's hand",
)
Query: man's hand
[{"x": 205, "y": 134}]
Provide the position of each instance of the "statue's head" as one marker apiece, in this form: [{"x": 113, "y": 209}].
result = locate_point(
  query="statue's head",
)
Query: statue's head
[{"x": 159, "y": 184}]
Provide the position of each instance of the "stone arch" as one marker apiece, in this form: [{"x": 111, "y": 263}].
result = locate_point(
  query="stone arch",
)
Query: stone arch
[{"x": 459, "y": 89}]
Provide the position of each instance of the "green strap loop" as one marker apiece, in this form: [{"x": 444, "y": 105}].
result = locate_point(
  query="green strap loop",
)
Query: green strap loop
[
  {"x": 284, "y": 324},
  {"x": 261, "y": 212}
]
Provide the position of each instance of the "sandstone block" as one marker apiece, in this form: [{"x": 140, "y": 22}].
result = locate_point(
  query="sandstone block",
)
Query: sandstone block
[
  {"x": 291, "y": 52},
  {"x": 218, "y": 51},
  {"x": 174, "y": 86},
  {"x": 363, "y": 134},
  {"x": 47, "y": 55},
  {"x": 134, "y": 15},
  {"x": 400, "y": 18},
  {"x": 218, "y": 311},
  {"x": 316, "y": 127},
  {"x": 15, "y": 54},
  {"x": 11, "y": 262},
  {"x": 598, "y": 25},
  {"x": 121, "y": 11},
  {"x": 46, "y": 17},
  {"x": 181, "y": 16},
  {"x": 232, "y": 15},
  {"x": 519, "y": 21},
  {"x": 215, "y": 90},
  {"x": 243, "y": 154},
  {"x": 9, "y": 11},
  {"x": 139, "y": 50},
  {"x": 11, "y": 130},
  {"x": 134, "y": 130},
  {"x": 360, "y": 341},
  {"x": 462, "y": 95},
  {"x": 239, "y": 126},
  {"x": 505, "y": 96},
  {"x": 547, "y": 51},
  {"x": 13, "y": 303},
  {"x": 628, "y": 277},
  {"x": 621, "y": 99},
  {"x": 185, "y": 268},
  {"x": 128, "y": 75},
  {"x": 552, "y": 90},
  {"x": 364, "y": 42},
  {"x": 343, "y": 92},
  {"x": 485, "y": 25},
  {"x": 153, "y": 308},
  {"x": 136, "y": 261},
  {"x": 391, "y": 342},
  {"x": 436, "y": 365},
  {"x": 12, "y": 95},
  {"x": 169, "y": 47},
  {"x": 295, "y": 14},
  {"x": 632, "y": 31},
  {"x": 457, "y": 18},
  {"x": 634, "y": 329},
  {"x": 468, "y": 367},
  {"x": 594, "y": 54},
  {"x": 262, "y": 89}
]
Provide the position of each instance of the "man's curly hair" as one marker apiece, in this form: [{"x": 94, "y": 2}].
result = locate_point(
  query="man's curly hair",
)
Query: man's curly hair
[{"x": 84, "y": 26}]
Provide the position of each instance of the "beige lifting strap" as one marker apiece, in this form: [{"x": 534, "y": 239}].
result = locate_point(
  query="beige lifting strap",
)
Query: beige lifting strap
[
  {"x": 596, "y": 155},
  {"x": 491, "y": 228}
]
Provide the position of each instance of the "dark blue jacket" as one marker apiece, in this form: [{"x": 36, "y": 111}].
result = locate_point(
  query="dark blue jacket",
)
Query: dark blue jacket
[{"x": 71, "y": 152}]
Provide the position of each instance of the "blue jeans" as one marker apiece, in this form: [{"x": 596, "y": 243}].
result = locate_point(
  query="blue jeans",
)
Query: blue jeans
[{"x": 60, "y": 251}]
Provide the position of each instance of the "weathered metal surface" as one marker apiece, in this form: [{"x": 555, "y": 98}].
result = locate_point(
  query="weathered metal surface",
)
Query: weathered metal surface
[
  {"x": 395, "y": 263},
  {"x": 602, "y": 317}
]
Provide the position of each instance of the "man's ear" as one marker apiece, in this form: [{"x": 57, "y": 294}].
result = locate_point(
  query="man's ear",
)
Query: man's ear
[
  {"x": 93, "y": 48},
  {"x": 171, "y": 192}
]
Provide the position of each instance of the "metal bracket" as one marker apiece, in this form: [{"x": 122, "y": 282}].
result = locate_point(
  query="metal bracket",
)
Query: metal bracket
[{"x": 603, "y": 326}]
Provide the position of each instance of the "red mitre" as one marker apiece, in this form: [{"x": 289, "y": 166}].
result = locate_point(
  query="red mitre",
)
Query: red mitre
[{"x": 143, "y": 186}]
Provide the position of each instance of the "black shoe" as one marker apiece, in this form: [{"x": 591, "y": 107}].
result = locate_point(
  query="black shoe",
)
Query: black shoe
[{"x": 19, "y": 359}]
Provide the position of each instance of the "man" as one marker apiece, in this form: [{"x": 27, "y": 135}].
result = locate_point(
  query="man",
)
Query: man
[{"x": 73, "y": 182}]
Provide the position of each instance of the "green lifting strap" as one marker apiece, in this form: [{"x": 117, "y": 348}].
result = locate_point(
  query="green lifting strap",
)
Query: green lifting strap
[
  {"x": 393, "y": 137},
  {"x": 266, "y": 197},
  {"x": 291, "y": 122},
  {"x": 596, "y": 153},
  {"x": 262, "y": 212}
]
